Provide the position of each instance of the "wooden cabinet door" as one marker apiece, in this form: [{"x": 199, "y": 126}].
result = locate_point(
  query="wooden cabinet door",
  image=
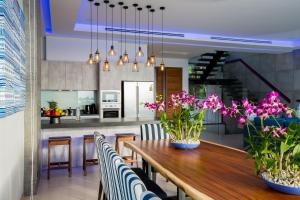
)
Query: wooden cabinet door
[
  {"x": 56, "y": 75},
  {"x": 44, "y": 75},
  {"x": 90, "y": 77},
  {"x": 167, "y": 82},
  {"x": 73, "y": 76}
]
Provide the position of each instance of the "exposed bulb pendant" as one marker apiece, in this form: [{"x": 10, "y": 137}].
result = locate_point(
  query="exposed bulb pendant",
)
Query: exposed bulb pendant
[
  {"x": 120, "y": 61},
  {"x": 97, "y": 53},
  {"x": 112, "y": 51},
  {"x": 90, "y": 60},
  {"x": 135, "y": 66},
  {"x": 162, "y": 64},
  {"x": 125, "y": 57},
  {"x": 152, "y": 57},
  {"x": 106, "y": 66},
  {"x": 140, "y": 52},
  {"x": 148, "y": 63}
]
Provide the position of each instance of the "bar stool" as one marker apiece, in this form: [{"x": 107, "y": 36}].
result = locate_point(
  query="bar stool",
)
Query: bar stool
[
  {"x": 126, "y": 137},
  {"x": 54, "y": 141},
  {"x": 87, "y": 139}
]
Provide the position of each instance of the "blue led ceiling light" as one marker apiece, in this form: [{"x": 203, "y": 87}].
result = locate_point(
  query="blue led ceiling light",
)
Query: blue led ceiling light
[{"x": 46, "y": 13}]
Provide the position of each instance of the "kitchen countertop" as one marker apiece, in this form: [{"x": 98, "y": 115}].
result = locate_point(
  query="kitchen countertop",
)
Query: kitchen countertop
[{"x": 84, "y": 123}]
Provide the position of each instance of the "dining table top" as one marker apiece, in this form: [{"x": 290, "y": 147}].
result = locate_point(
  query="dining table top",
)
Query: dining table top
[{"x": 211, "y": 171}]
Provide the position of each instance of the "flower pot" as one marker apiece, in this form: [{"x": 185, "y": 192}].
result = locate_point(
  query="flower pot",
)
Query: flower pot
[
  {"x": 282, "y": 188},
  {"x": 54, "y": 120},
  {"x": 184, "y": 145}
]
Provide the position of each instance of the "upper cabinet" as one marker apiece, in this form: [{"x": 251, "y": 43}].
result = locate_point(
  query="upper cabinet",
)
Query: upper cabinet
[{"x": 58, "y": 75}]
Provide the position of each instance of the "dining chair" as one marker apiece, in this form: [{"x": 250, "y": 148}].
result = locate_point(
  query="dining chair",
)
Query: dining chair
[
  {"x": 149, "y": 196},
  {"x": 152, "y": 132}
]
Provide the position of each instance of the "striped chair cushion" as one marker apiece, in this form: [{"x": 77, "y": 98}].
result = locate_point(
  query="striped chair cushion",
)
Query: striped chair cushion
[
  {"x": 132, "y": 185},
  {"x": 149, "y": 196},
  {"x": 153, "y": 132}
]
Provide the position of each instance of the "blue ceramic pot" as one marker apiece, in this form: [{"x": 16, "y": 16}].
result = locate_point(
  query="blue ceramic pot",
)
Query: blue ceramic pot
[
  {"x": 178, "y": 145},
  {"x": 282, "y": 188}
]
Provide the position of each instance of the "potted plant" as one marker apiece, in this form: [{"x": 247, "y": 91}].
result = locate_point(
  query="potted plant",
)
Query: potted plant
[
  {"x": 186, "y": 125},
  {"x": 275, "y": 149}
]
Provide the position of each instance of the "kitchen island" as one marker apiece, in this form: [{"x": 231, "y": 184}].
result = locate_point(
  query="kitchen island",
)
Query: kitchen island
[{"x": 76, "y": 129}]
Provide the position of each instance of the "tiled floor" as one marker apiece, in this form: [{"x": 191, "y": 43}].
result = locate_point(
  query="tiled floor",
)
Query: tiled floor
[{"x": 79, "y": 187}]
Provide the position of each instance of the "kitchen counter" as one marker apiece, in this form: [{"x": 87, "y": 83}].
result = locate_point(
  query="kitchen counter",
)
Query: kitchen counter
[{"x": 84, "y": 123}]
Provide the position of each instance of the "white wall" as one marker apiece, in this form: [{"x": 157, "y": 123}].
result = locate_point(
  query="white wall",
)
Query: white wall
[{"x": 12, "y": 156}]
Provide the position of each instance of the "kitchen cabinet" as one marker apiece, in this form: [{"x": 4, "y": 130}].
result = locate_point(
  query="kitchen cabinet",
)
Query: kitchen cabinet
[
  {"x": 56, "y": 75},
  {"x": 44, "y": 75},
  {"x": 90, "y": 77},
  {"x": 73, "y": 76},
  {"x": 60, "y": 75}
]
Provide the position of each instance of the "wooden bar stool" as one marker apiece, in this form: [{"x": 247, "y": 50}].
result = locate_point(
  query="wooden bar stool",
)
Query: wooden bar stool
[
  {"x": 87, "y": 139},
  {"x": 54, "y": 141},
  {"x": 125, "y": 137}
]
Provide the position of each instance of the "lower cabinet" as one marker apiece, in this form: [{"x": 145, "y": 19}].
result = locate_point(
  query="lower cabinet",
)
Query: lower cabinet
[{"x": 59, "y": 75}]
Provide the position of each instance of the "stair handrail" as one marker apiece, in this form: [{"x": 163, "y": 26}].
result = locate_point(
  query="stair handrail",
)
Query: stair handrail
[{"x": 286, "y": 98}]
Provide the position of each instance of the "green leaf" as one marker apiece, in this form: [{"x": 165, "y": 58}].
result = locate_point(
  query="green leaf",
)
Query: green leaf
[
  {"x": 284, "y": 147},
  {"x": 296, "y": 152}
]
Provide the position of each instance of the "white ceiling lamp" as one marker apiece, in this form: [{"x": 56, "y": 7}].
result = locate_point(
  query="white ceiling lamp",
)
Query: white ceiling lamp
[
  {"x": 106, "y": 66},
  {"x": 112, "y": 51},
  {"x": 162, "y": 64}
]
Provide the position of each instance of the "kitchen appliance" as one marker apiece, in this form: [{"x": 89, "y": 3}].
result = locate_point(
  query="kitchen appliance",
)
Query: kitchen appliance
[
  {"x": 93, "y": 109},
  {"x": 134, "y": 95},
  {"x": 88, "y": 109},
  {"x": 110, "y": 104}
]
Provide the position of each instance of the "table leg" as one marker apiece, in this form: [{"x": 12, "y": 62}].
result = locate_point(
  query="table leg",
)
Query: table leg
[
  {"x": 149, "y": 170},
  {"x": 181, "y": 195}
]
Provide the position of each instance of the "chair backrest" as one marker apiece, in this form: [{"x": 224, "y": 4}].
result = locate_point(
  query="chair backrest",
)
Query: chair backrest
[
  {"x": 119, "y": 181},
  {"x": 149, "y": 196},
  {"x": 153, "y": 132}
]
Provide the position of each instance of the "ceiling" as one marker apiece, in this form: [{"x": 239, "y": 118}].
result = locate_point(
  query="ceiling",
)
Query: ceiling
[{"x": 274, "y": 21}]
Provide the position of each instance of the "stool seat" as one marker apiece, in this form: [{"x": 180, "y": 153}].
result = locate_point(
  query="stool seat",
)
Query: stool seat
[
  {"x": 125, "y": 137},
  {"x": 87, "y": 139},
  {"x": 54, "y": 141}
]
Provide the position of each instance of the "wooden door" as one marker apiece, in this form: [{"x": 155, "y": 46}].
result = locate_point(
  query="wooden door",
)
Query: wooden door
[
  {"x": 167, "y": 82},
  {"x": 57, "y": 75},
  {"x": 73, "y": 76}
]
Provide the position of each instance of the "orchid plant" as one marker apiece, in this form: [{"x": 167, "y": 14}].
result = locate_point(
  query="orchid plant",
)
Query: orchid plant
[
  {"x": 186, "y": 124},
  {"x": 275, "y": 149}
]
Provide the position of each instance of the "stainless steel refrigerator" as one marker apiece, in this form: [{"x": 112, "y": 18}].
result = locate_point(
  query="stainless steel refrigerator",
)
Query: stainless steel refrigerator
[{"x": 134, "y": 95}]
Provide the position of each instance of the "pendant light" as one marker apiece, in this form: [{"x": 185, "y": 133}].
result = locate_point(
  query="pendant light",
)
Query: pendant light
[
  {"x": 148, "y": 62},
  {"x": 125, "y": 55},
  {"x": 112, "y": 51},
  {"x": 91, "y": 60},
  {"x": 120, "y": 61},
  {"x": 97, "y": 53},
  {"x": 135, "y": 66},
  {"x": 140, "y": 52},
  {"x": 106, "y": 66},
  {"x": 162, "y": 64},
  {"x": 152, "y": 57}
]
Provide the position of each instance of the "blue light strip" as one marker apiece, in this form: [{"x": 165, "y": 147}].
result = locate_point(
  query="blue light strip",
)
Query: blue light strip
[
  {"x": 241, "y": 40},
  {"x": 45, "y": 7}
]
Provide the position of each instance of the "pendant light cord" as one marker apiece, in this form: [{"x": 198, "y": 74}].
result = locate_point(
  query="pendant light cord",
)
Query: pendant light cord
[
  {"x": 152, "y": 47},
  {"x": 139, "y": 28},
  {"x": 148, "y": 26},
  {"x": 162, "y": 34},
  {"x": 91, "y": 27},
  {"x": 125, "y": 35},
  {"x": 135, "y": 29},
  {"x": 112, "y": 26},
  {"x": 97, "y": 27},
  {"x": 121, "y": 11},
  {"x": 106, "y": 29}
]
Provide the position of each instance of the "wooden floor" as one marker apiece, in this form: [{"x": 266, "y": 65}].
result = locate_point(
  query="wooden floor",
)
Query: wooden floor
[{"x": 78, "y": 187}]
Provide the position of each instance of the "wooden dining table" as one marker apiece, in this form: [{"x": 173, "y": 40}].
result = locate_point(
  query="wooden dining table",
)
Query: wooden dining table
[{"x": 211, "y": 171}]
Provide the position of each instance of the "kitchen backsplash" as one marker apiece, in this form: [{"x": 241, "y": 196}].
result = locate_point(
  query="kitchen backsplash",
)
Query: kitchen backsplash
[{"x": 66, "y": 99}]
